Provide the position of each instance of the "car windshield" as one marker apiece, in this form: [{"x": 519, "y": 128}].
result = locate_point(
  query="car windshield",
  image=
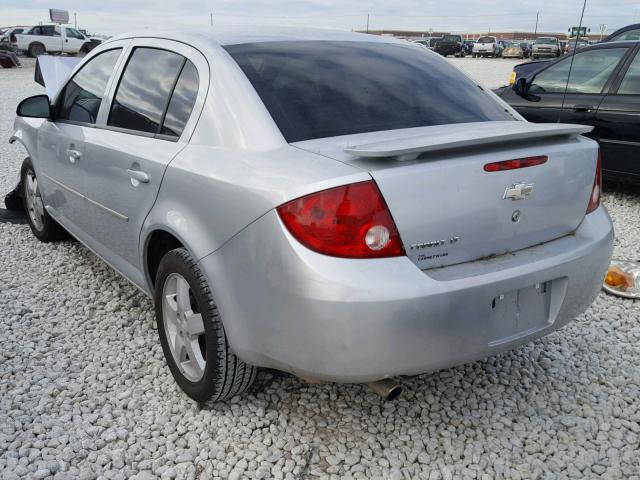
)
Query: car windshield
[
  {"x": 546, "y": 41},
  {"x": 451, "y": 38},
  {"x": 524, "y": 45},
  {"x": 317, "y": 89},
  {"x": 486, "y": 40}
]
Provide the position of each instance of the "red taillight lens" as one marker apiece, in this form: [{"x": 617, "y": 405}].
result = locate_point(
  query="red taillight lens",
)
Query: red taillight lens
[
  {"x": 351, "y": 221},
  {"x": 596, "y": 191},
  {"x": 515, "y": 164}
]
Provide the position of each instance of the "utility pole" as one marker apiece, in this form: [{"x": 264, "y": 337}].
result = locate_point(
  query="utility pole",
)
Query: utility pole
[
  {"x": 75, "y": 20},
  {"x": 535, "y": 34},
  {"x": 367, "y": 23},
  {"x": 211, "y": 18},
  {"x": 603, "y": 28}
]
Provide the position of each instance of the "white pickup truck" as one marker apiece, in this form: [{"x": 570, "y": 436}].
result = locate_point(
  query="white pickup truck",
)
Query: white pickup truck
[{"x": 43, "y": 39}]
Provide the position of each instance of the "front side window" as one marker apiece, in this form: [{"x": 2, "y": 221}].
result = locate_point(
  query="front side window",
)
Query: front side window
[
  {"x": 72, "y": 32},
  {"x": 631, "y": 82},
  {"x": 316, "y": 89},
  {"x": 145, "y": 89},
  {"x": 82, "y": 96},
  {"x": 627, "y": 36},
  {"x": 589, "y": 74}
]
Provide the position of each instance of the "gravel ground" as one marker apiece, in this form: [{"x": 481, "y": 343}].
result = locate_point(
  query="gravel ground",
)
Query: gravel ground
[{"x": 85, "y": 393}]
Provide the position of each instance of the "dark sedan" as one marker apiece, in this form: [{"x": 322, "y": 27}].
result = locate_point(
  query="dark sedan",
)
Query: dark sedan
[{"x": 604, "y": 91}]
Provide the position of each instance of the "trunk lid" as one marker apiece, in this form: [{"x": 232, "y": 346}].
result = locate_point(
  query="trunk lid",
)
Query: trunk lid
[{"x": 449, "y": 210}]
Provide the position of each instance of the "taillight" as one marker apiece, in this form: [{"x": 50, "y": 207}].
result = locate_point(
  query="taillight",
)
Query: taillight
[
  {"x": 515, "y": 164},
  {"x": 596, "y": 191},
  {"x": 350, "y": 221}
]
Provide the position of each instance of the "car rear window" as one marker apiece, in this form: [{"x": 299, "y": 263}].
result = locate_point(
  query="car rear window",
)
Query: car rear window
[{"x": 317, "y": 89}]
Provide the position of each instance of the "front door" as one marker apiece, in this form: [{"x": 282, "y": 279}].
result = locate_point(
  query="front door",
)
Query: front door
[
  {"x": 135, "y": 140},
  {"x": 575, "y": 101},
  {"x": 62, "y": 141}
]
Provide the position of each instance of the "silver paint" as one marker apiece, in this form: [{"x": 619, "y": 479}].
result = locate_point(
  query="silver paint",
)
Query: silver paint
[{"x": 284, "y": 306}]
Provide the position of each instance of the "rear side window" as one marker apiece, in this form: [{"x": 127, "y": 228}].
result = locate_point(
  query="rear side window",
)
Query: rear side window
[
  {"x": 145, "y": 90},
  {"x": 182, "y": 100},
  {"x": 631, "y": 82},
  {"x": 82, "y": 96},
  {"x": 316, "y": 89}
]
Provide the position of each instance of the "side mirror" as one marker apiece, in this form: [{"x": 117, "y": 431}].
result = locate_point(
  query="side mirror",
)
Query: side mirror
[
  {"x": 37, "y": 106},
  {"x": 521, "y": 88}
]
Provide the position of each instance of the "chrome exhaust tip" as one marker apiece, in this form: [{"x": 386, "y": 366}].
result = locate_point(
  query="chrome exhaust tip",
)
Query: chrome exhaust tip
[{"x": 387, "y": 388}]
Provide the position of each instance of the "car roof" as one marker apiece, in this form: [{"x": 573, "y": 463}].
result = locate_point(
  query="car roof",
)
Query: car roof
[{"x": 206, "y": 36}]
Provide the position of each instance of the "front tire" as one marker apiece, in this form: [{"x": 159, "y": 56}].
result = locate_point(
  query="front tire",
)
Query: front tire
[
  {"x": 43, "y": 226},
  {"x": 192, "y": 334}
]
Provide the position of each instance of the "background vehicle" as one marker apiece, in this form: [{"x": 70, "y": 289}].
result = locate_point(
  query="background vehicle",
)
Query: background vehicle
[
  {"x": 8, "y": 36},
  {"x": 486, "y": 47},
  {"x": 604, "y": 92},
  {"x": 576, "y": 44},
  {"x": 526, "y": 49},
  {"x": 468, "y": 46},
  {"x": 43, "y": 39},
  {"x": 356, "y": 249},
  {"x": 563, "y": 46},
  {"x": 630, "y": 32},
  {"x": 513, "y": 50},
  {"x": 449, "y": 45},
  {"x": 545, "y": 47},
  {"x": 433, "y": 41}
]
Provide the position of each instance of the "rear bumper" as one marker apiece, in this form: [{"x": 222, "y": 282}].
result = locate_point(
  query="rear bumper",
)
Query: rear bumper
[{"x": 286, "y": 307}]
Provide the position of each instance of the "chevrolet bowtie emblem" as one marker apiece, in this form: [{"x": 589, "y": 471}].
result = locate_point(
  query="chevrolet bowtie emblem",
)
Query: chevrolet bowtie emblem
[{"x": 518, "y": 191}]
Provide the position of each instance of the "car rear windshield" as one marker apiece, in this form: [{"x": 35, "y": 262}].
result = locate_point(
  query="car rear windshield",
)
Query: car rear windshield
[
  {"x": 451, "y": 38},
  {"x": 317, "y": 89},
  {"x": 486, "y": 40}
]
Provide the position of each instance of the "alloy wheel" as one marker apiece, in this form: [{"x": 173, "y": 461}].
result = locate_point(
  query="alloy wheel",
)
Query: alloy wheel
[
  {"x": 35, "y": 205},
  {"x": 184, "y": 327}
]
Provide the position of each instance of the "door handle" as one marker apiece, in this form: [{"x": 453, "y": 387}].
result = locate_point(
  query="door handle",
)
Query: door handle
[
  {"x": 138, "y": 175},
  {"x": 584, "y": 108},
  {"x": 73, "y": 155}
]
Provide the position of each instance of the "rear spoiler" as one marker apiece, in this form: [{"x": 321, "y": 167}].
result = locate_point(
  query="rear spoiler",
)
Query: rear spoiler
[
  {"x": 52, "y": 72},
  {"x": 447, "y": 137}
]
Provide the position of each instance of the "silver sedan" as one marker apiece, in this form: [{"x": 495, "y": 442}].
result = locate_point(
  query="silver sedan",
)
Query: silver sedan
[{"x": 341, "y": 206}]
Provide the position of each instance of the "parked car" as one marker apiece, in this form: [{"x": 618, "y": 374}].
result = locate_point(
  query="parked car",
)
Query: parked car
[
  {"x": 563, "y": 46},
  {"x": 8, "y": 36},
  {"x": 513, "y": 50},
  {"x": 433, "y": 41},
  {"x": 624, "y": 34},
  {"x": 468, "y": 46},
  {"x": 43, "y": 39},
  {"x": 576, "y": 45},
  {"x": 486, "y": 47},
  {"x": 281, "y": 217},
  {"x": 450, "y": 45},
  {"x": 604, "y": 93},
  {"x": 545, "y": 47},
  {"x": 526, "y": 49}
]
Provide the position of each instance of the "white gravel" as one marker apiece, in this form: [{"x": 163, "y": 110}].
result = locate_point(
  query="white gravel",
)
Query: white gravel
[{"x": 85, "y": 393}]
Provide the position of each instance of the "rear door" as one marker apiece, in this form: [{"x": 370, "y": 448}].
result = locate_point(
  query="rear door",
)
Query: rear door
[
  {"x": 149, "y": 120},
  {"x": 618, "y": 123},
  {"x": 591, "y": 75}
]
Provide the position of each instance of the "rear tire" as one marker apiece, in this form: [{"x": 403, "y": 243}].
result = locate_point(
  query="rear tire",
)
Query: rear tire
[
  {"x": 192, "y": 335},
  {"x": 36, "y": 49},
  {"x": 43, "y": 226}
]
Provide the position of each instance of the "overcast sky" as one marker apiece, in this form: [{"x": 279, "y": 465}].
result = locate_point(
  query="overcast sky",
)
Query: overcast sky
[{"x": 117, "y": 16}]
